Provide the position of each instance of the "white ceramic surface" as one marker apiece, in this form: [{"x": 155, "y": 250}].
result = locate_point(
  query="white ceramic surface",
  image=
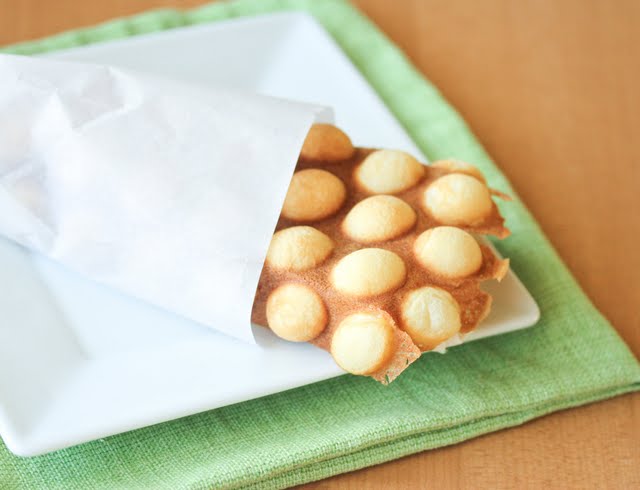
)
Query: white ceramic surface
[{"x": 79, "y": 361}]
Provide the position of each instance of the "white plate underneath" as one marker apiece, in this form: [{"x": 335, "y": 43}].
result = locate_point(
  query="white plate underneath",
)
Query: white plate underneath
[{"x": 79, "y": 361}]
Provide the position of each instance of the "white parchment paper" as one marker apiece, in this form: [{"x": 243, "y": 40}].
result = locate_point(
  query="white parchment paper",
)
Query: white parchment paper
[{"x": 167, "y": 191}]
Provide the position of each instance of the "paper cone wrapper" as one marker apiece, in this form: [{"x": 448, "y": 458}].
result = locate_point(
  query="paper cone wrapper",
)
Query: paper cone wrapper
[{"x": 167, "y": 191}]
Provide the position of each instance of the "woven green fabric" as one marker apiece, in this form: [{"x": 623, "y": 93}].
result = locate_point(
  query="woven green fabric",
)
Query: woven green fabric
[{"x": 572, "y": 357}]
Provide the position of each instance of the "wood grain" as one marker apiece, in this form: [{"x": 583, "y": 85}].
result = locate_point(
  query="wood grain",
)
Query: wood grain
[{"x": 551, "y": 89}]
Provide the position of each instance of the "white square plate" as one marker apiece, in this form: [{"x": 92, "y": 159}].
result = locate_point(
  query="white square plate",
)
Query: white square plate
[{"x": 79, "y": 361}]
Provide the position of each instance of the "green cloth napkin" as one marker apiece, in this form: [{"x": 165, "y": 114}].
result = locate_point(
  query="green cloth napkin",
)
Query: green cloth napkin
[{"x": 570, "y": 358}]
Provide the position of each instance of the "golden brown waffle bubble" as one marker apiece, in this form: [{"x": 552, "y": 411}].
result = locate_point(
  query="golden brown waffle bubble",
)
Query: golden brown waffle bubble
[
  {"x": 295, "y": 312},
  {"x": 363, "y": 343},
  {"x": 298, "y": 248},
  {"x": 449, "y": 252},
  {"x": 368, "y": 272},
  {"x": 326, "y": 143},
  {"x": 388, "y": 172},
  {"x": 396, "y": 274},
  {"x": 430, "y": 316},
  {"x": 458, "y": 199},
  {"x": 378, "y": 219},
  {"x": 313, "y": 195}
]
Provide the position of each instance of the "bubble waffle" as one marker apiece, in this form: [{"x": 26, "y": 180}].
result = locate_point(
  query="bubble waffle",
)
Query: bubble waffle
[{"x": 384, "y": 266}]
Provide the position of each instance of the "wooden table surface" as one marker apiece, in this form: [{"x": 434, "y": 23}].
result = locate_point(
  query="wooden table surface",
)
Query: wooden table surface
[{"x": 552, "y": 89}]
